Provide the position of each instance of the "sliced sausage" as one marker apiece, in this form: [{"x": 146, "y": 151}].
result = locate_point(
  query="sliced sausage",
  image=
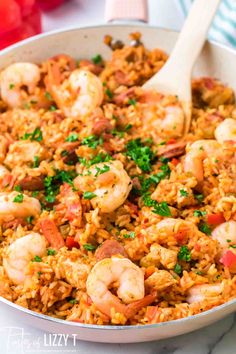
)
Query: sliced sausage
[
  {"x": 31, "y": 183},
  {"x": 172, "y": 150},
  {"x": 109, "y": 248}
]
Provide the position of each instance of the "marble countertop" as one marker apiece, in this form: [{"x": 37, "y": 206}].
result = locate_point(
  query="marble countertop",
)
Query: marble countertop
[{"x": 17, "y": 338}]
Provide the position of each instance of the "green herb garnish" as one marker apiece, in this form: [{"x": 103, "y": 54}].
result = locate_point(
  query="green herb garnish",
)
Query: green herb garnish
[
  {"x": 205, "y": 228},
  {"x": 142, "y": 155},
  {"x": 72, "y": 137},
  {"x": 183, "y": 192},
  {"x": 19, "y": 198},
  {"x": 51, "y": 252},
  {"x": 37, "y": 259},
  {"x": 184, "y": 254},
  {"x": 199, "y": 213},
  {"x": 109, "y": 93},
  {"x": 36, "y": 162},
  {"x": 97, "y": 59},
  {"x": 92, "y": 141},
  {"x": 132, "y": 101},
  {"x": 29, "y": 219},
  {"x": 35, "y": 136},
  {"x": 17, "y": 188},
  {"x": 178, "y": 269},
  {"x": 48, "y": 96},
  {"x": 89, "y": 195},
  {"x": 131, "y": 234},
  {"x": 102, "y": 170},
  {"x": 89, "y": 247}
]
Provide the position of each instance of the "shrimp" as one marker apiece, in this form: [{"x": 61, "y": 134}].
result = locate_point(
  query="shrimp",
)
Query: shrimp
[
  {"x": 197, "y": 153},
  {"x": 21, "y": 152},
  {"x": 78, "y": 95},
  {"x": 203, "y": 292},
  {"x": 130, "y": 279},
  {"x": 13, "y": 80},
  {"x": 109, "y": 182},
  {"x": 167, "y": 121},
  {"x": 17, "y": 205},
  {"x": 226, "y": 131},
  {"x": 20, "y": 253},
  {"x": 225, "y": 234}
]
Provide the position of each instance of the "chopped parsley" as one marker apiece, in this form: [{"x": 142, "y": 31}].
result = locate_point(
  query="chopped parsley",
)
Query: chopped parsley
[
  {"x": 205, "y": 228},
  {"x": 132, "y": 101},
  {"x": 198, "y": 272},
  {"x": 92, "y": 141},
  {"x": 11, "y": 86},
  {"x": 131, "y": 234},
  {"x": 35, "y": 194},
  {"x": 184, "y": 254},
  {"x": 37, "y": 259},
  {"x": 18, "y": 198},
  {"x": 17, "y": 188},
  {"x": 161, "y": 208},
  {"x": 97, "y": 59},
  {"x": 199, "y": 213},
  {"x": 109, "y": 93},
  {"x": 199, "y": 197},
  {"x": 89, "y": 195},
  {"x": 232, "y": 246},
  {"x": 36, "y": 162},
  {"x": 142, "y": 155},
  {"x": 29, "y": 219},
  {"x": 48, "y": 96},
  {"x": 73, "y": 301},
  {"x": 52, "y": 183},
  {"x": 72, "y": 137},
  {"x": 89, "y": 247},
  {"x": 35, "y": 136},
  {"x": 102, "y": 170},
  {"x": 51, "y": 252},
  {"x": 52, "y": 108},
  {"x": 183, "y": 192},
  {"x": 178, "y": 269},
  {"x": 101, "y": 157}
]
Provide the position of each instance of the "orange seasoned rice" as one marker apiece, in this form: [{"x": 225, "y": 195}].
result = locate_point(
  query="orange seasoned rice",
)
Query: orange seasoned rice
[{"x": 100, "y": 169}]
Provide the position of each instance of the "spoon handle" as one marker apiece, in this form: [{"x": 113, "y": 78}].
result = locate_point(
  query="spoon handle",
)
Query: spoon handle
[{"x": 193, "y": 34}]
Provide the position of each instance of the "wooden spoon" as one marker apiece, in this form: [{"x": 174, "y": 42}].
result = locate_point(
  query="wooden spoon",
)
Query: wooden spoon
[{"x": 175, "y": 76}]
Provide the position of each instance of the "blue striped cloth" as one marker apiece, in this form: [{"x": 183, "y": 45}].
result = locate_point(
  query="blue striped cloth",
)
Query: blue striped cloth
[{"x": 223, "y": 28}]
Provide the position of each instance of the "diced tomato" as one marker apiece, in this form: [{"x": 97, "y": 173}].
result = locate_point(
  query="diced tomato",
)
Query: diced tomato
[
  {"x": 181, "y": 236},
  {"x": 151, "y": 312},
  {"x": 175, "y": 161},
  {"x": 229, "y": 260},
  {"x": 10, "y": 16},
  {"x": 70, "y": 242},
  {"x": 215, "y": 219},
  {"x": 208, "y": 82},
  {"x": 171, "y": 141},
  {"x": 51, "y": 233}
]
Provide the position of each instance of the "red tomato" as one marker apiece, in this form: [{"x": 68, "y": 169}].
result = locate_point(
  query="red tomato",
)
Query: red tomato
[
  {"x": 181, "y": 236},
  {"x": 175, "y": 161},
  {"x": 26, "y": 6},
  {"x": 70, "y": 242},
  {"x": 215, "y": 219},
  {"x": 48, "y": 5},
  {"x": 229, "y": 260},
  {"x": 171, "y": 141},
  {"x": 10, "y": 16}
]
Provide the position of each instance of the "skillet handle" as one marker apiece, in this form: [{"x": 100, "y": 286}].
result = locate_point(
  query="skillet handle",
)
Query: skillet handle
[{"x": 126, "y": 10}]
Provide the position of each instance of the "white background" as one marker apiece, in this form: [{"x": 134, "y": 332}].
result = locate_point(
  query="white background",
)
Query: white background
[{"x": 217, "y": 339}]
